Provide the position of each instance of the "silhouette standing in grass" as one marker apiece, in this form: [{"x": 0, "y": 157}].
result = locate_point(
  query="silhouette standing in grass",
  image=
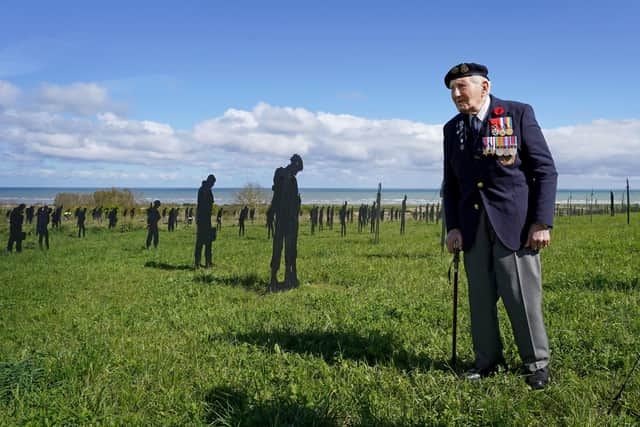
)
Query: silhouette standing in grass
[
  {"x": 286, "y": 207},
  {"x": 42, "y": 222},
  {"x": 81, "y": 215},
  {"x": 113, "y": 217},
  {"x": 29, "y": 214},
  {"x": 153, "y": 217},
  {"x": 244, "y": 213},
  {"x": 15, "y": 228},
  {"x": 219, "y": 220},
  {"x": 343, "y": 220},
  {"x": 203, "y": 222}
]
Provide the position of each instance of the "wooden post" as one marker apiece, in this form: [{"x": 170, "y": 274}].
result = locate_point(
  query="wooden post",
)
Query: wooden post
[
  {"x": 612, "y": 207},
  {"x": 377, "y": 213},
  {"x": 628, "y": 204}
]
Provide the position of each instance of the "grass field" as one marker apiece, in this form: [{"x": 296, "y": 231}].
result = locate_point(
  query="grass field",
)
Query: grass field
[{"x": 100, "y": 331}]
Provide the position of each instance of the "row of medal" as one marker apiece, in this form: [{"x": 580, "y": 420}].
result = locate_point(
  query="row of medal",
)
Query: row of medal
[
  {"x": 500, "y": 145},
  {"x": 501, "y": 126}
]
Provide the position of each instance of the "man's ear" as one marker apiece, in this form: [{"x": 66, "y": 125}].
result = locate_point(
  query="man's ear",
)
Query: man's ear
[{"x": 485, "y": 86}]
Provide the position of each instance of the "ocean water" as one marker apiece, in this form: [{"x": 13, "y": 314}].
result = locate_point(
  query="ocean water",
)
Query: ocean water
[{"x": 319, "y": 196}]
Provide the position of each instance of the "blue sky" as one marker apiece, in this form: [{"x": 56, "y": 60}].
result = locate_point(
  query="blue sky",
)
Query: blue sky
[{"x": 161, "y": 94}]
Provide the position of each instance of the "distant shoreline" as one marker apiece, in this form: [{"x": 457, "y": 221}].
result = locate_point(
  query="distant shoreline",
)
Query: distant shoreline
[{"x": 11, "y": 196}]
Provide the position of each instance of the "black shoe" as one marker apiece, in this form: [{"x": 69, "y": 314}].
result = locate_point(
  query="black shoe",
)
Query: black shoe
[
  {"x": 475, "y": 373},
  {"x": 539, "y": 379}
]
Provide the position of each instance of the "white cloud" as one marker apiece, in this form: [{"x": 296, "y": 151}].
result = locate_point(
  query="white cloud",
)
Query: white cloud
[
  {"x": 603, "y": 147},
  {"x": 8, "y": 94},
  {"x": 340, "y": 139},
  {"x": 78, "y": 98},
  {"x": 338, "y": 149}
]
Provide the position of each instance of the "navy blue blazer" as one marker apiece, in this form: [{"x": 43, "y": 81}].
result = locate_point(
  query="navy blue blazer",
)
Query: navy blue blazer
[{"x": 514, "y": 193}]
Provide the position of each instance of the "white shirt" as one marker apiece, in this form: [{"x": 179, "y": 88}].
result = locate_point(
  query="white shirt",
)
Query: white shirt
[{"x": 482, "y": 114}]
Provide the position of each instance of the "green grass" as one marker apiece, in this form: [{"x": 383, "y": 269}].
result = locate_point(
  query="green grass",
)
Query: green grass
[{"x": 101, "y": 331}]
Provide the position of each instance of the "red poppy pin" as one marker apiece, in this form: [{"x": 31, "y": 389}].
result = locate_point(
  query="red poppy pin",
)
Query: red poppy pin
[{"x": 498, "y": 111}]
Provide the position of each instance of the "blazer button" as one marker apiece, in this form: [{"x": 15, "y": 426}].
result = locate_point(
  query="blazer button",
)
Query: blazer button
[
  {"x": 476, "y": 206},
  {"x": 480, "y": 184}
]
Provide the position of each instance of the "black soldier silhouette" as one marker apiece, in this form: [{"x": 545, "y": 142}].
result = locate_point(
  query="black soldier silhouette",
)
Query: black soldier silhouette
[
  {"x": 153, "y": 217},
  {"x": 361, "y": 216},
  {"x": 244, "y": 213},
  {"x": 343, "y": 220},
  {"x": 29, "y": 214},
  {"x": 56, "y": 218},
  {"x": 176, "y": 213},
  {"x": 113, "y": 217},
  {"x": 219, "y": 220},
  {"x": 286, "y": 206},
  {"x": 403, "y": 210},
  {"x": 313, "y": 218},
  {"x": 204, "y": 233},
  {"x": 42, "y": 223},
  {"x": 81, "y": 215},
  {"x": 15, "y": 228},
  {"x": 171, "y": 219}
]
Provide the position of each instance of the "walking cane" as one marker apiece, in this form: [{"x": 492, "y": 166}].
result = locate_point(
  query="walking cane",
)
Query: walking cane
[
  {"x": 614, "y": 402},
  {"x": 455, "y": 265}
]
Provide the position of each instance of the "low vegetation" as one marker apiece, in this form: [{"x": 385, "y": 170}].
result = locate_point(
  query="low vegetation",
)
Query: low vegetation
[{"x": 124, "y": 198}]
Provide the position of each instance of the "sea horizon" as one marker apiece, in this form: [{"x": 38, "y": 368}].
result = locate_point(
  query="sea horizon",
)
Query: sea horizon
[{"x": 309, "y": 195}]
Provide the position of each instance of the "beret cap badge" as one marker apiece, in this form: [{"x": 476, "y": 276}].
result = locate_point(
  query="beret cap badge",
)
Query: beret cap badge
[{"x": 465, "y": 69}]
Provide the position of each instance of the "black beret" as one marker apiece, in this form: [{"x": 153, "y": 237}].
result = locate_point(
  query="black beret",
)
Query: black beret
[{"x": 464, "y": 70}]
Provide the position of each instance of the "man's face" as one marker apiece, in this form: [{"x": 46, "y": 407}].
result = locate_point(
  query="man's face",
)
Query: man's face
[{"x": 467, "y": 95}]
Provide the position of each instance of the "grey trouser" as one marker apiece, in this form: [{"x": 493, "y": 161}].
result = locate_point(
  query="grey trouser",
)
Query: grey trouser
[{"x": 494, "y": 271}]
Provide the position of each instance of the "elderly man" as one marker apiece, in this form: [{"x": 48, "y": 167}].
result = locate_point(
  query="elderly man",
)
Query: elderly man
[{"x": 499, "y": 195}]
